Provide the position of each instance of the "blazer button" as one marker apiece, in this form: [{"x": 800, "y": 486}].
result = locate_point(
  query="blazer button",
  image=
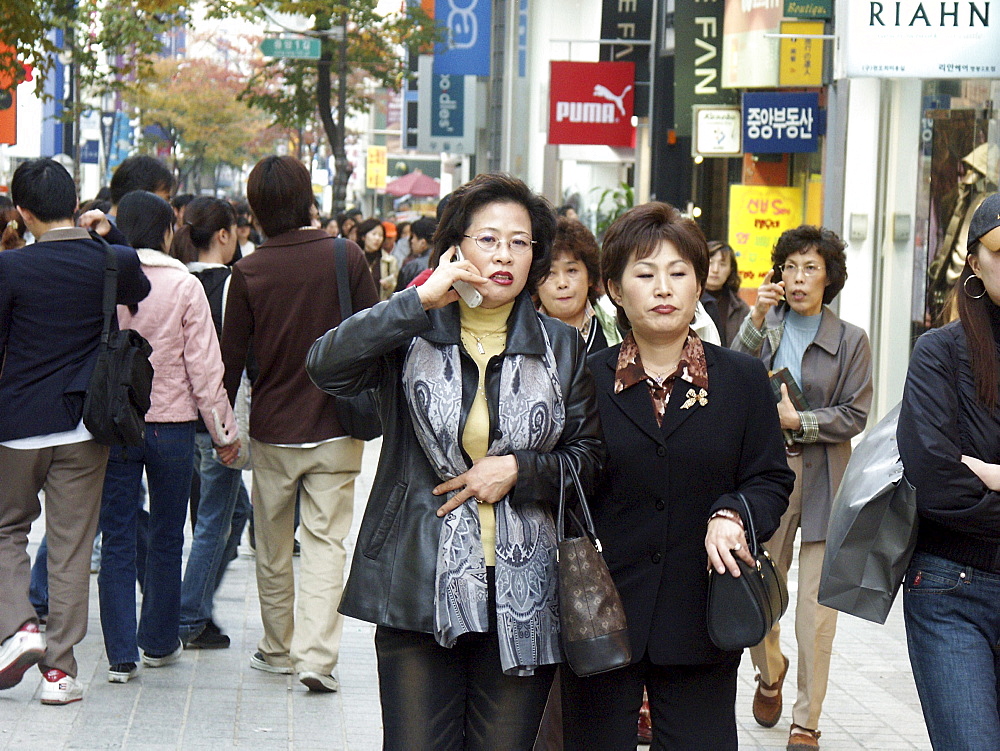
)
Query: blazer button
[
  {"x": 660, "y": 505},
  {"x": 656, "y": 557},
  {"x": 661, "y": 451}
]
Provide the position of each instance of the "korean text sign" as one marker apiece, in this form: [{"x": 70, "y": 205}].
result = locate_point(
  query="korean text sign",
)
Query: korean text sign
[
  {"x": 758, "y": 214},
  {"x": 591, "y": 103},
  {"x": 781, "y": 123}
]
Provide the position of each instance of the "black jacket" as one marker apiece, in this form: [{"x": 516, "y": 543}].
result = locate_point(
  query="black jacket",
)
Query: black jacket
[
  {"x": 50, "y": 328},
  {"x": 940, "y": 420},
  {"x": 392, "y": 575},
  {"x": 661, "y": 485}
]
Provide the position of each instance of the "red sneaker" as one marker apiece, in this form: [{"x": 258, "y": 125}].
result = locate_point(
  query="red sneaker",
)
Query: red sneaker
[{"x": 18, "y": 653}]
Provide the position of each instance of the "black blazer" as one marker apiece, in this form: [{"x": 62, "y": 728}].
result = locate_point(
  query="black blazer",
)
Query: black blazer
[
  {"x": 50, "y": 326},
  {"x": 661, "y": 484}
]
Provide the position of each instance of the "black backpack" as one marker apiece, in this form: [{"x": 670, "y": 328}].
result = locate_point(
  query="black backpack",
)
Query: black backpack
[{"x": 114, "y": 410}]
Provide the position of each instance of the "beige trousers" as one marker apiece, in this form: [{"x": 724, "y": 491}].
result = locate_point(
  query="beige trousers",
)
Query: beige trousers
[
  {"x": 303, "y": 632},
  {"x": 815, "y": 624},
  {"x": 73, "y": 479}
]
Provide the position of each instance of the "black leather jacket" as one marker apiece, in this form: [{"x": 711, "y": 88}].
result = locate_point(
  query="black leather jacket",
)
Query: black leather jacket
[{"x": 392, "y": 575}]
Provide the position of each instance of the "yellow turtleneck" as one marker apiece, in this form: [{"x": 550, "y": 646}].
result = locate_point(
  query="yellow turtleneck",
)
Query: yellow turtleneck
[{"x": 491, "y": 328}]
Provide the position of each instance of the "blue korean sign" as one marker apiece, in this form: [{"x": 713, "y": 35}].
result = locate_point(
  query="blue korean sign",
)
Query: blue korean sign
[
  {"x": 781, "y": 123},
  {"x": 89, "y": 152},
  {"x": 448, "y": 106},
  {"x": 466, "y": 49}
]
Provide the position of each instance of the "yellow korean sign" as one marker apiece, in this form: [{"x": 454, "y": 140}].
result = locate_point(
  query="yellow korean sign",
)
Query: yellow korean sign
[
  {"x": 801, "y": 60},
  {"x": 376, "y": 167},
  {"x": 758, "y": 214}
]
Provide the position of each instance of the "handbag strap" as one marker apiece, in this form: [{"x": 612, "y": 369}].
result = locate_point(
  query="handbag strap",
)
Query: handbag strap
[
  {"x": 751, "y": 531},
  {"x": 110, "y": 294},
  {"x": 568, "y": 466},
  {"x": 343, "y": 286}
]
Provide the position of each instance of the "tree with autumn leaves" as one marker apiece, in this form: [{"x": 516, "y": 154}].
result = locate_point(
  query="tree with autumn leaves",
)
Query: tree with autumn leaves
[{"x": 116, "y": 44}]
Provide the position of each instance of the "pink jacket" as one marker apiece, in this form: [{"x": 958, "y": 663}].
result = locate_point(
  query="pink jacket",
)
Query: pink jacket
[{"x": 187, "y": 364}]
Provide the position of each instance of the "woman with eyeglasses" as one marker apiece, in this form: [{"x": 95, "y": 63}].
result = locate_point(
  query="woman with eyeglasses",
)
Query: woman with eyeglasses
[
  {"x": 793, "y": 331},
  {"x": 455, "y": 560}
]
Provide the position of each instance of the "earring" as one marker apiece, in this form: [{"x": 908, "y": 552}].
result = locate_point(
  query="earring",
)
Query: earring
[{"x": 965, "y": 287}]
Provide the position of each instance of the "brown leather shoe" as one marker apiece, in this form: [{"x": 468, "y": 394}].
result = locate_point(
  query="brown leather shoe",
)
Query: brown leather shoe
[
  {"x": 802, "y": 739},
  {"x": 767, "y": 709}
]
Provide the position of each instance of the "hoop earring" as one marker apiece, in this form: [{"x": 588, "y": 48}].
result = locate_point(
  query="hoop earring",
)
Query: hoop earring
[{"x": 965, "y": 287}]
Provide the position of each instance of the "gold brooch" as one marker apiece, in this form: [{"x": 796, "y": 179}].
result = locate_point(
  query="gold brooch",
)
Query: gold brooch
[{"x": 701, "y": 398}]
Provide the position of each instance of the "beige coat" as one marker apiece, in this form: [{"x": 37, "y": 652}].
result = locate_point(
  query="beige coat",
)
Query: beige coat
[{"x": 837, "y": 383}]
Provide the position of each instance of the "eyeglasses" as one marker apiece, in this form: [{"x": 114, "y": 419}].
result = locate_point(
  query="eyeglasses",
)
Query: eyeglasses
[
  {"x": 489, "y": 242},
  {"x": 809, "y": 270}
]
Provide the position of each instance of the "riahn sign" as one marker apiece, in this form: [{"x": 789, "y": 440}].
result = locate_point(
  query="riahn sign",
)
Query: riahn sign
[
  {"x": 591, "y": 103},
  {"x": 919, "y": 38}
]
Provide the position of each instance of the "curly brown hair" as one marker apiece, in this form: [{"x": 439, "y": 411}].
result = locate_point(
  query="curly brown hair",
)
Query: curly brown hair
[{"x": 826, "y": 242}]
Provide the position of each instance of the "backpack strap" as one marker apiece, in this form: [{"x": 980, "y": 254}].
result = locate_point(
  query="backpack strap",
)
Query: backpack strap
[
  {"x": 343, "y": 285},
  {"x": 110, "y": 286}
]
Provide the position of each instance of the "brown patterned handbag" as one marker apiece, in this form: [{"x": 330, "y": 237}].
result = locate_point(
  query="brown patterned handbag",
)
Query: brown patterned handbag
[{"x": 594, "y": 633}]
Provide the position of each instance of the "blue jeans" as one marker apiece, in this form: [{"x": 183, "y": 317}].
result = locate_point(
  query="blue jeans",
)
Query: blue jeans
[
  {"x": 241, "y": 514},
  {"x": 167, "y": 457},
  {"x": 39, "y": 591},
  {"x": 952, "y": 615},
  {"x": 220, "y": 487}
]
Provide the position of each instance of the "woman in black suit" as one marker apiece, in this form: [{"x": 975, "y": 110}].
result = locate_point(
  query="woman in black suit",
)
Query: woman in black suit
[{"x": 688, "y": 426}]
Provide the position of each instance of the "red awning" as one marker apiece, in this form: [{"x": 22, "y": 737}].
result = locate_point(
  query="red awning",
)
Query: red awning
[{"x": 415, "y": 183}]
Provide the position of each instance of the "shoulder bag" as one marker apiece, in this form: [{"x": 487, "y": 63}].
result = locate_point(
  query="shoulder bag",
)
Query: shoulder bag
[
  {"x": 114, "y": 410},
  {"x": 742, "y": 609},
  {"x": 594, "y": 632},
  {"x": 358, "y": 415}
]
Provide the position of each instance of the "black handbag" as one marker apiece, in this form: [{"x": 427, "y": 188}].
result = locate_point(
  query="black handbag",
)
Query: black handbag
[
  {"x": 594, "y": 632},
  {"x": 357, "y": 415},
  {"x": 114, "y": 410},
  {"x": 741, "y": 610}
]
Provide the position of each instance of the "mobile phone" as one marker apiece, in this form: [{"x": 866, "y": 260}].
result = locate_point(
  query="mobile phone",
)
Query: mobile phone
[{"x": 465, "y": 290}]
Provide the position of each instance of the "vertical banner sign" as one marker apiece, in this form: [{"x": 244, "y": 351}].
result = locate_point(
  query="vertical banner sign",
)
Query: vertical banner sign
[
  {"x": 698, "y": 60},
  {"x": 801, "y": 58},
  {"x": 629, "y": 19},
  {"x": 591, "y": 103},
  {"x": 446, "y": 111},
  {"x": 376, "y": 167},
  {"x": 781, "y": 123},
  {"x": 749, "y": 47},
  {"x": 465, "y": 25},
  {"x": 448, "y": 106},
  {"x": 758, "y": 214}
]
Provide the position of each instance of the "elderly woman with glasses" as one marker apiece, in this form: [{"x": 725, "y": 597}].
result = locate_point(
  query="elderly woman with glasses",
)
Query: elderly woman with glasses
[
  {"x": 455, "y": 560},
  {"x": 793, "y": 331}
]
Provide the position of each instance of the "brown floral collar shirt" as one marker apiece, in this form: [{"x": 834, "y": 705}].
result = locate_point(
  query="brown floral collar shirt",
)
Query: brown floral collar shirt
[{"x": 691, "y": 368}]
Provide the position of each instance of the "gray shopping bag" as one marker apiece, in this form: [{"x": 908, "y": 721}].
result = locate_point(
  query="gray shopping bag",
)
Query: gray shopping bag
[{"x": 873, "y": 528}]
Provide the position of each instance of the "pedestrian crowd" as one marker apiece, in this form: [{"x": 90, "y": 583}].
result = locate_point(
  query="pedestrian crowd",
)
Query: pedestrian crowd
[{"x": 502, "y": 353}]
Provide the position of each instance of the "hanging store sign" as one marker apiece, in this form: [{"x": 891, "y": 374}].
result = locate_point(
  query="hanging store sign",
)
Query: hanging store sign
[
  {"x": 758, "y": 214},
  {"x": 376, "y": 167},
  {"x": 749, "y": 49},
  {"x": 781, "y": 123},
  {"x": 446, "y": 111},
  {"x": 809, "y": 8},
  {"x": 591, "y": 103},
  {"x": 466, "y": 30},
  {"x": 698, "y": 60},
  {"x": 802, "y": 56},
  {"x": 911, "y": 39},
  {"x": 717, "y": 131},
  {"x": 629, "y": 19}
]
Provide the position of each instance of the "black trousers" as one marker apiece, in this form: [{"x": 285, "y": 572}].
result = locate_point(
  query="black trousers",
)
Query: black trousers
[
  {"x": 693, "y": 707},
  {"x": 458, "y": 699}
]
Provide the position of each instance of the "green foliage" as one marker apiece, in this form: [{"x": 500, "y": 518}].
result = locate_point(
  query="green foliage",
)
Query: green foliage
[{"x": 621, "y": 200}]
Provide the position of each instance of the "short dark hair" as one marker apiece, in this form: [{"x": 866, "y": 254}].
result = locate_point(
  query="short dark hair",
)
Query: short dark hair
[
  {"x": 565, "y": 209},
  {"x": 498, "y": 187},
  {"x": 826, "y": 242},
  {"x": 640, "y": 231},
  {"x": 181, "y": 200},
  {"x": 203, "y": 217},
  {"x": 424, "y": 228},
  {"x": 573, "y": 239},
  {"x": 45, "y": 188},
  {"x": 140, "y": 173},
  {"x": 365, "y": 227},
  {"x": 144, "y": 218},
  {"x": 279, "y": 190},
  {"x": 733, "y": 280}
]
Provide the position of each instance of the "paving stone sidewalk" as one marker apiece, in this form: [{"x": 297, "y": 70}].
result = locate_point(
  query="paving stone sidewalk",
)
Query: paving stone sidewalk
[{"x": 214, "y": 700}]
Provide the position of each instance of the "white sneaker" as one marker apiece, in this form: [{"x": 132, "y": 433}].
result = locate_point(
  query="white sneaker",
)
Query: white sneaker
[
  {"x": 59, "y": 688},
  {"x": 319, "y": 682},
  {"x": 18, "y": 653},
  {"x": 259, "y": 662},
  {"x": 159, "y": 662}
]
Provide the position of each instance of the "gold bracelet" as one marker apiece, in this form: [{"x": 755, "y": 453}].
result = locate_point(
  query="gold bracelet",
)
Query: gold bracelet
[{"x": 728, "y": 513}]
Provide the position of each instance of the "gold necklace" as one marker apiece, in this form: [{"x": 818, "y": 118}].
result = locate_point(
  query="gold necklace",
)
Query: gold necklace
[{"x": 479, "y": 339}]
